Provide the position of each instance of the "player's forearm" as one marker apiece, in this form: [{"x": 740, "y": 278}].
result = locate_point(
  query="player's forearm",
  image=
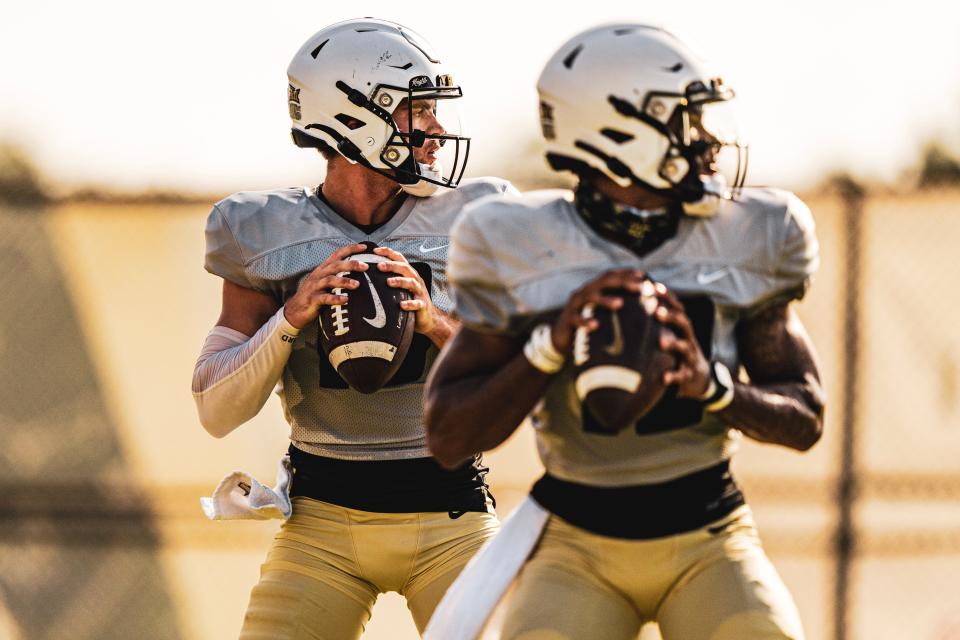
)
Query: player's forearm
[
  {"x": 789, "y": 414},
  {"x": 479, "y": 412},
  {"x": 444, "y": 328},
  {"x": 784, "y": 404},
  {"x": 235, "y": 374}
]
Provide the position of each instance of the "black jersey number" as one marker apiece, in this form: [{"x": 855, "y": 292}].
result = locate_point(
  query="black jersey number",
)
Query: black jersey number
[
  {"x": 413, "y": 366},
  {"x": 673, "y": 412}
]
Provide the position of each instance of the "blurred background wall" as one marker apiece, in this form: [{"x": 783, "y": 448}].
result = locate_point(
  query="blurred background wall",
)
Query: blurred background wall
[{"x": 120, "y": 137}]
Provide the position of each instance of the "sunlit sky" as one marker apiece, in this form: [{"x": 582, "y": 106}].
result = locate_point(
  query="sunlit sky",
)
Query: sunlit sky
[{"x": 192, "y": 95}]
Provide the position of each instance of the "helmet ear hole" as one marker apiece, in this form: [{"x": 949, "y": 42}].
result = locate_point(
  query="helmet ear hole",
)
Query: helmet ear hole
[{"x": 349, "y": 121}]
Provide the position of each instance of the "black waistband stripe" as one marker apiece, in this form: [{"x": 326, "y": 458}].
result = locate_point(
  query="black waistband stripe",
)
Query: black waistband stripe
[
  {"x": 643, "y": 511},
  {"x": 391, "y": 486}
]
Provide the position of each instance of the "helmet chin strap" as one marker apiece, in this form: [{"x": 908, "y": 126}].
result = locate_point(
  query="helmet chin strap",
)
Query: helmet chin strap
[
  {"x": 423, "y": 188},
  {"x": 715, "y": 191}
]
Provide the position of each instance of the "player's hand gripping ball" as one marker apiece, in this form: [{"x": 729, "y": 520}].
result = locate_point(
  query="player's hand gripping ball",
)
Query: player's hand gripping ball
[
  {"x": 367, "y": 339},
  {"x": 620, "y": 365}
]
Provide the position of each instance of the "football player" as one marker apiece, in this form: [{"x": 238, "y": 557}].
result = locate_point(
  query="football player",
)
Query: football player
[
  {"x": 372, "y": 512},
  {"x": 647, "y": 524}
]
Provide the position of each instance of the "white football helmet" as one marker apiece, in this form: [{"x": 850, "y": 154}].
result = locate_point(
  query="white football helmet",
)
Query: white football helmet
[
  {"x": 345, "y": 83},
  {"x": 636, "y": 104}
]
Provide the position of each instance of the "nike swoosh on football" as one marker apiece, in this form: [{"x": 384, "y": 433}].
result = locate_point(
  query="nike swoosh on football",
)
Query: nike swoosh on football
[
  {"x": 425, "y": 249},
  {"x": 379, "y": 320},
  {"x": 713, "y": 276},
  {"x": 615, "y": 348}
]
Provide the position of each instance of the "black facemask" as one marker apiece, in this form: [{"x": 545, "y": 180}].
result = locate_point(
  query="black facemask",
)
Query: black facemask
[{"x": 638, "y": 230}]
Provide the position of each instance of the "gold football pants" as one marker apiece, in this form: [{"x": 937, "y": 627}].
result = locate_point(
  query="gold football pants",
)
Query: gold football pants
[
  {"x": 328, "y": 564},
  {"x": 713, "y": 583}
]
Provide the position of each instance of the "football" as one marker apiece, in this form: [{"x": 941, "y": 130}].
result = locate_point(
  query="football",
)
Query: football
[
  {"x": 367, "y": 339},
  {"x": 620, "y": 365}
]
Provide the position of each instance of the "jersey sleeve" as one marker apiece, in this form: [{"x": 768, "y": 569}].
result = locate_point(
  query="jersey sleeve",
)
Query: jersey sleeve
[
  {"x": 799, "y": 249},
  {"x": 224, "y": 257},
  {"x": 481, "y": 300},
  {"x": 795, "y": 255}
]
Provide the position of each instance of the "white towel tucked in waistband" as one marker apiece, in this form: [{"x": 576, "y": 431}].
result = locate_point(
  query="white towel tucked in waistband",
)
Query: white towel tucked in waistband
[
  {"x": 239, "y": 496},
  {"x": 470, "y": 600}
]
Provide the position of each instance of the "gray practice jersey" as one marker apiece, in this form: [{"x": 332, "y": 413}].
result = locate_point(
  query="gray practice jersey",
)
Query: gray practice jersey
[
  {"x": 517, "y": 258},
  {"x": 270, "y": 240}
]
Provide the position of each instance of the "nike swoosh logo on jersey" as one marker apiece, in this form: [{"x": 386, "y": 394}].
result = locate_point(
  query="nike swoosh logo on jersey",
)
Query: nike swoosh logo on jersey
[
  {"x": 615, "y": 348},
  {"x": 378, "y": 321},
  {"x": 425, "y": 249},
  {"x": 713, "y": 276}
]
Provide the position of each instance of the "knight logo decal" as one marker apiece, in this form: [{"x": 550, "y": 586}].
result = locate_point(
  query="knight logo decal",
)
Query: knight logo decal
[
  {"x": 293, "y": 101},
  {"x": 419, "y": 81}
]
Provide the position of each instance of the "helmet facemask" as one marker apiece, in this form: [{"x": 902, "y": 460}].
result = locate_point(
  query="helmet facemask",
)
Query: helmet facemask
[
  {"x": 704, "y": 156},
  {"x": 711, "y": 132},
  {"x": 426, "y": 144},
  {"x": 404, "y": 141}
]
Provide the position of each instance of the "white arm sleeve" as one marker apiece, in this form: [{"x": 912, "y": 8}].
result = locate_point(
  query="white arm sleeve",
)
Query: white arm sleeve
[{"x": 235, "y": 373}]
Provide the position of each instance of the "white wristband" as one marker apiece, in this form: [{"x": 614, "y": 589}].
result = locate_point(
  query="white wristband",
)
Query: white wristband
[
  {"x": 541, "y": 353},
  {"x": 711, "y": 389},
  {"x": 722, "y": 403},
  {"x": 720, "y": 381}
]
